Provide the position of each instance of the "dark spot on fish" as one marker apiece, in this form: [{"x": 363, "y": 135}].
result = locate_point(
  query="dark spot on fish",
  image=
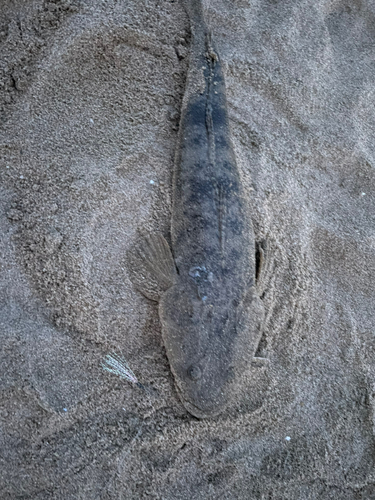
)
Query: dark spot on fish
[
  {"x": 200, "y": 189},
  {"x": 219, "y": 116},
  {"x": 196, "y": 113},
  {"x": 237, "y": 228},
  {"x": 222, "y": 142}
]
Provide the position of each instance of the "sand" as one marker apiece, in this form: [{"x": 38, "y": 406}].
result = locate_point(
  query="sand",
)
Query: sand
[{"x": 90, "y": 96}]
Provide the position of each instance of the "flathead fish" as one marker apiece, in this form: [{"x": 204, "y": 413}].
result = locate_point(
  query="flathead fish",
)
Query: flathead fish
[{"x": 209, "y": 309}]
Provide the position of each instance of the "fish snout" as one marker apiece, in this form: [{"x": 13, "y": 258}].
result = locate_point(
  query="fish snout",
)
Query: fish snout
[{"x": 202, "y": 393}]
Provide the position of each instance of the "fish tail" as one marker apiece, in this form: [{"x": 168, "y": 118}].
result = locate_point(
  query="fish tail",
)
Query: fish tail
[{"x": 194, "y": 10}]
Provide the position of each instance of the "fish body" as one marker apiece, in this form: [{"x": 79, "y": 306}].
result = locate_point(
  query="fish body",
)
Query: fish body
[{"x": 210, "y": 313}]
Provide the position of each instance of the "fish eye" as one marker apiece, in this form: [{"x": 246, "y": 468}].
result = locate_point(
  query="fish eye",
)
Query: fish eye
[{"x": 194, "y": 372}]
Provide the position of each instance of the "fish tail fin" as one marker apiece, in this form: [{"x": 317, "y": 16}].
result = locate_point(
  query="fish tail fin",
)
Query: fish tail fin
[{"x": 194, "y": 10}]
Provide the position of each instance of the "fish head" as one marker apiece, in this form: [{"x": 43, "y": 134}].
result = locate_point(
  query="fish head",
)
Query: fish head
[{"x": 199, "y": 343}]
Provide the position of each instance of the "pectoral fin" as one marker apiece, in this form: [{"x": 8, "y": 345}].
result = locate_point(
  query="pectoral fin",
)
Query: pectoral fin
[
  {"x": 250, "y": 326},
  {"x": 151, "y": 266}
]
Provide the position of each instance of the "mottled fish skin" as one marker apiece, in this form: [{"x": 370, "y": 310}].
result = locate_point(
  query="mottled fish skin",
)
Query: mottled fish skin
[{"x": 210, "y": 313}]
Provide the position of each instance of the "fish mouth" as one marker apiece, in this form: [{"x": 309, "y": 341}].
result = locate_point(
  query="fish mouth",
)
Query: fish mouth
[{"x": 195, "y": 410}]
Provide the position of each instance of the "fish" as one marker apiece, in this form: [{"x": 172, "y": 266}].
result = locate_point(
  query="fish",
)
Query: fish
[{"x": 205, "y": 280}]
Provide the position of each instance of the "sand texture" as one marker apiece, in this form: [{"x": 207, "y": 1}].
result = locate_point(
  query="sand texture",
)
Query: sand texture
[{"x": 90, "y": 98}]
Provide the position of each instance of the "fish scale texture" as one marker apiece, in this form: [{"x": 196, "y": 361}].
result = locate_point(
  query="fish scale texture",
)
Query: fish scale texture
[{"x": 90, "y": 98}]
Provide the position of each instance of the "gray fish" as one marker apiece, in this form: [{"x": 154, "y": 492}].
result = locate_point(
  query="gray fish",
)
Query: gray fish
[{"x": 210, "y": 313}]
